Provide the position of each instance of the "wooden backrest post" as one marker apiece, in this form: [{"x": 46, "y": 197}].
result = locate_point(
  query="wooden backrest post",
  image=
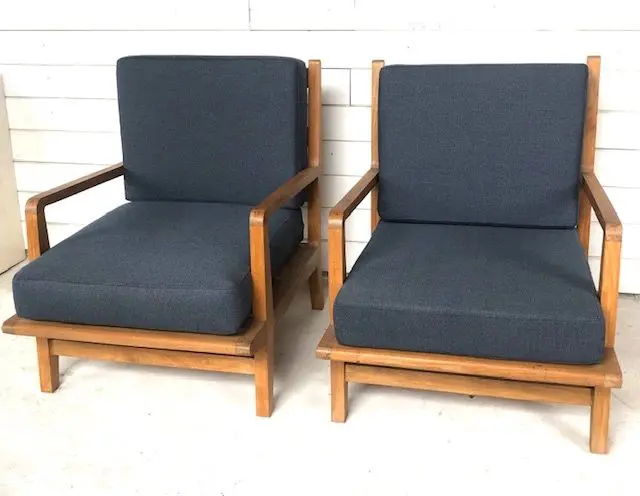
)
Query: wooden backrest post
[
  {"x": 589, "y": 147},
  {"x": 314, "y": 220},
  {"x": 376, "y": 67}
]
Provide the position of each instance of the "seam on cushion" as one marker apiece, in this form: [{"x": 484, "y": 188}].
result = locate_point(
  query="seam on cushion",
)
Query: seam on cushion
[
  {"x": 492, "y": 315},
  {"x": 275, "y": 234}
]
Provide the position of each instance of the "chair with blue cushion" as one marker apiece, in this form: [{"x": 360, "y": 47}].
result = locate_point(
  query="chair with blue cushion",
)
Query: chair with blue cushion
[
  {"x": 475, "y": 279},
  {"x": 196, "y": 268}
]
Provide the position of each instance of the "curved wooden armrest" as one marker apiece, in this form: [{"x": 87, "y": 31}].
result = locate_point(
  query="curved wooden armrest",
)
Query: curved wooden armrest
[
  {"x": 606, "y": 214},
  {"x": 37, "y": 235},
  {"x": 337, "y": 240},
  {"x": 611, "y": 250},
  {"x": 259, "y": 240},
  {"x": 353, "y": 198}
]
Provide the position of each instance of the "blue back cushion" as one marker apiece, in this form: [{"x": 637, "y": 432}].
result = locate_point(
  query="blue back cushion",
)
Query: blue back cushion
[
  {"x": 481, "y": 144},
  {"x": 219, "y": 129}
]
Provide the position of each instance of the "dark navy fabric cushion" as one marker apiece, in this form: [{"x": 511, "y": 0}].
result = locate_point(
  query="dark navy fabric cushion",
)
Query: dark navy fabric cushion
[
  {"x": 223, "y": 129},
  {"x": 481, "y": 144},
  {"x": 176, "y": 266},
  {"x": 492, "y": 292}
]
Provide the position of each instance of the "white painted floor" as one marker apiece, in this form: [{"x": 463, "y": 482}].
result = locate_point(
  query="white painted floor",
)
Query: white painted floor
[{"x": 115, "y": 429}]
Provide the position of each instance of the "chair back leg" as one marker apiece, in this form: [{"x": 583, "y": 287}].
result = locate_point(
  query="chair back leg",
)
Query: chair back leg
[
  {"x": 600, "y": 407},
  {"x": 48, "y": 366},
  {"x": 316, "y": 291}
]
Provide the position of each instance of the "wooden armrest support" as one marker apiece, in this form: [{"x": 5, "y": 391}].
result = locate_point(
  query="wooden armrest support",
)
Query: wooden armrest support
[
  {"x": 602, "y": 206},
  {"x": 337, "y": 218},
  {"x": 611, "y": 250},
  {"x": 259, "y": 241},
  {"x": 37, "y": 235}
]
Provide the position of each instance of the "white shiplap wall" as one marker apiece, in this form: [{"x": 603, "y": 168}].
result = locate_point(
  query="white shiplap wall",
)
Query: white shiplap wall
[{"x": 58, "y": 61}]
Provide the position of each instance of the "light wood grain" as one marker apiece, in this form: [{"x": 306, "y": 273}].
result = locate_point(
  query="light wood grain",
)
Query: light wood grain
[
  {"x": 262, "y": 309},
  {"x": 589, "y": 147},
  {"x": 608, "y": 287},
  {"x": 462, "y": 384},
  {"x": 339, "y": 392},
  {"x": 602, "y": 206},
  {"x": 376, "y": 67},
  {"x": 600, "y": 408},
  {"x": 314, "y": 204},
  {"x": 48, "y": 366},
  {"x": 609, "y": 278},
  {"x": 143, "y": 356},
  {"x": 186, "y": 341}
]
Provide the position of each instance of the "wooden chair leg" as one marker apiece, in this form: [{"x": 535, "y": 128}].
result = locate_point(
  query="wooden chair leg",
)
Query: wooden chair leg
[
  {"x": 339, "y": 392},
  {"x": 48, "y": 366},
  {"x": 264, "y": 370},
  {"x": 600, "y": 406},
  {"x": 316, "y": 289}
]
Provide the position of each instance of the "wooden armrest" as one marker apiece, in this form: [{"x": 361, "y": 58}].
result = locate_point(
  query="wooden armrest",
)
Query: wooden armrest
[
  {"x": 337, "y": 217},
  {"x": 353, "y": 198},
  {"x": 261, "y": 212},
  {"x": 259, "y": 242},
  {"x": 37, "y": 235},
  {"x": 611, "y": 250},
  {"x": 606, "y": 214}
]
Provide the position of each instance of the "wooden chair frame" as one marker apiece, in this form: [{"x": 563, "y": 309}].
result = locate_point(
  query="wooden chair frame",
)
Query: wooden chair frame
[
  {"x": 576, "y": 384},
  {"x": 251, "y": 351}
]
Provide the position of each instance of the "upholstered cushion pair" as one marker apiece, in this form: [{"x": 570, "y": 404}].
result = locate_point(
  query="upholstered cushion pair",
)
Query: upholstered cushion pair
[
  {"x": 204, "y": 140},
  {"x": 477, "y": 253}
]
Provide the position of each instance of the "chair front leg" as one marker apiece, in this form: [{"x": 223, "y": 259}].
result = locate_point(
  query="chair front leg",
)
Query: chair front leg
[
  {"x": 264, "y": 371},
  {"x": 600, "y": 407},
  {"x": 337, "y": 275},
  {"x": 262, "y": 310},
  {"x": 339, "y": 392}
]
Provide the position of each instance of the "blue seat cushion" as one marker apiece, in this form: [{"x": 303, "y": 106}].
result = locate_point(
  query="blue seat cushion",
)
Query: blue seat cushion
[
  {"x": 490, "y": 292},
  {"x": 176, "y": 266},
  {"x": 211, "y": 128},
  {"x": 481, "y": 144}
]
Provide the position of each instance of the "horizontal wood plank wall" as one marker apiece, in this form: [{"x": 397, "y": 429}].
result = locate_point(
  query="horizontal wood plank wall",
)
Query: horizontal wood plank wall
[{"x": 59, "y": 73}]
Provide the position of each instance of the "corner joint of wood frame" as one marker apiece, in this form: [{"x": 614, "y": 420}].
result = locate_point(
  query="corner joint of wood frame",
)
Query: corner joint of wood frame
[
  {"x": 613, "y": 232},
  {"x": 258, "y": 217},
  {"x": 336, "y": 219}
]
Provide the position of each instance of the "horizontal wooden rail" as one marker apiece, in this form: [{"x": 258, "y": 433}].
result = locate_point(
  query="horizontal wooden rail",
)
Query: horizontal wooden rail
[
  {"x": 461, "y": 384},
  {"x": 239, "y": 344},
  {"x": 144, "y": 356}
]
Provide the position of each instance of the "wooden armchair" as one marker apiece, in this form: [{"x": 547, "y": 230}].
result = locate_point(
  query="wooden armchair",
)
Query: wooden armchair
[
  {"x": 197, "y": 268},
  {"x": 475, "y": 280}
]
